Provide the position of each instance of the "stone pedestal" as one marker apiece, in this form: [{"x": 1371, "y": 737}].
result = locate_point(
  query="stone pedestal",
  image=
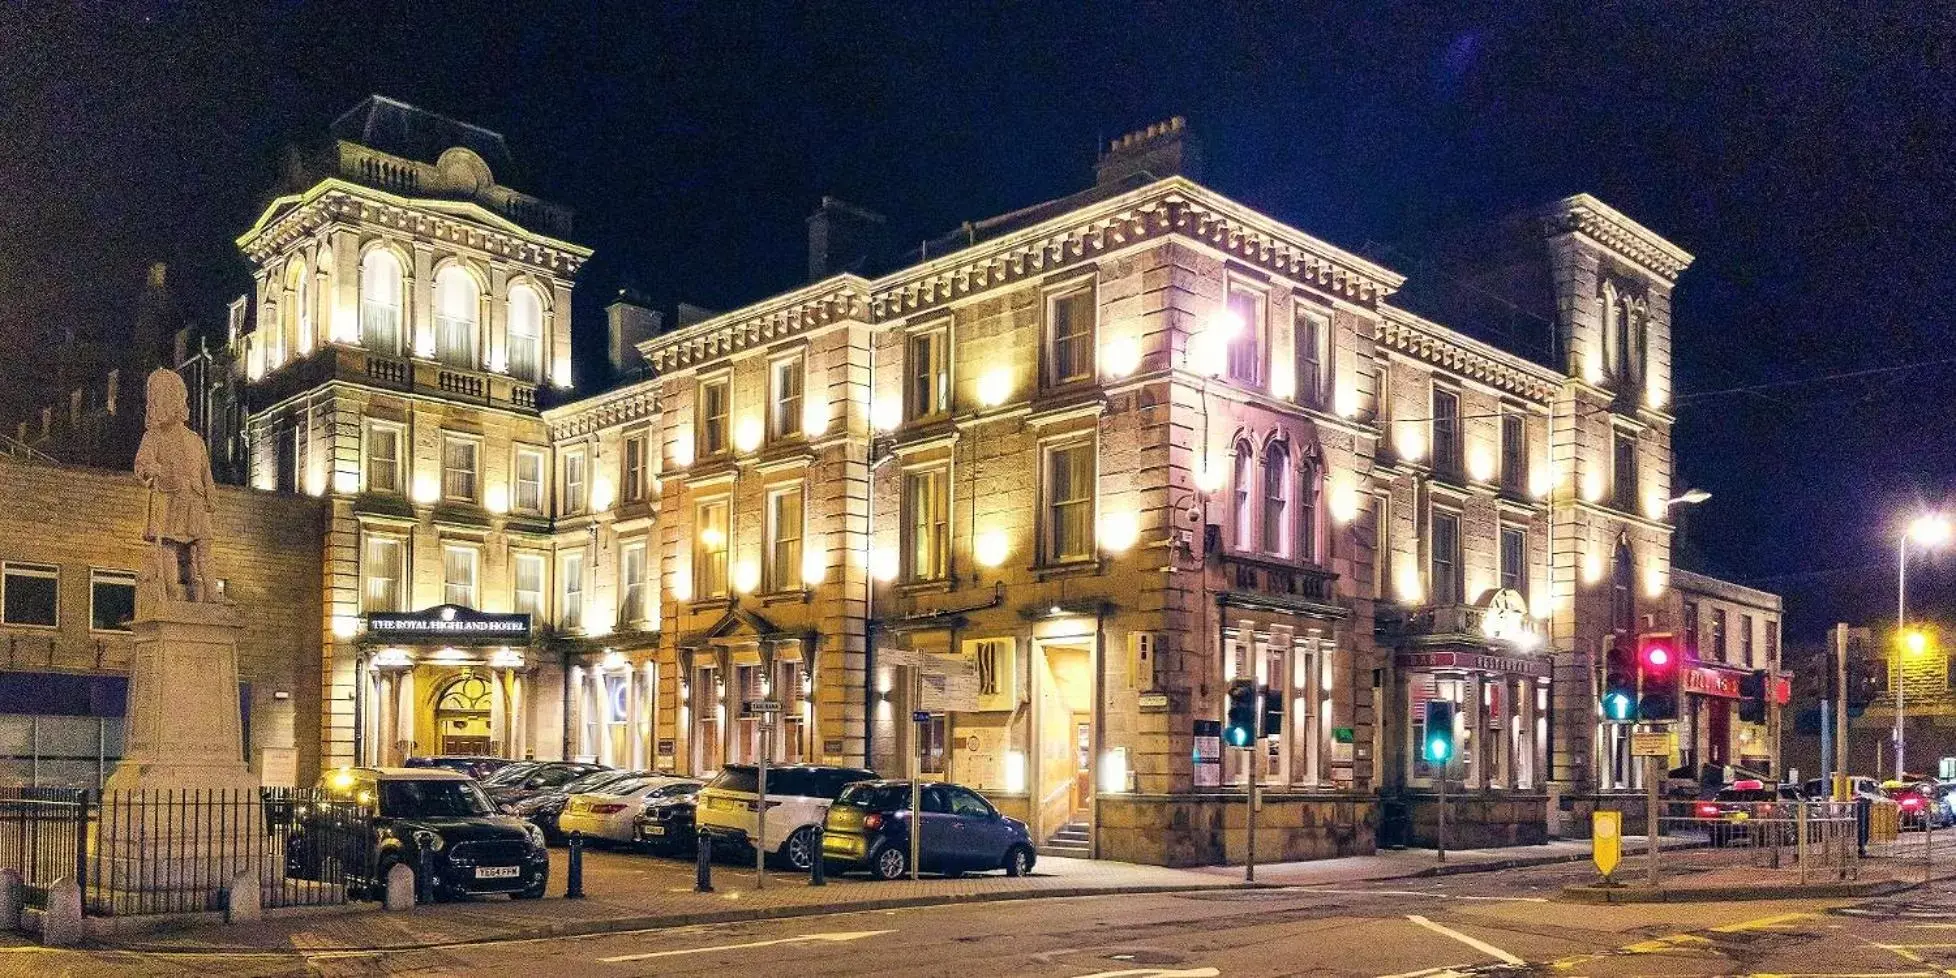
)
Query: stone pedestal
[{"x": 184, "y": 729}]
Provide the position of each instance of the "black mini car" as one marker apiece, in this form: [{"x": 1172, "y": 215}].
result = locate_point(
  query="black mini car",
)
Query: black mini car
[
  {"x": 375, "y": 818},
  {"x": 665, "y": 825}
]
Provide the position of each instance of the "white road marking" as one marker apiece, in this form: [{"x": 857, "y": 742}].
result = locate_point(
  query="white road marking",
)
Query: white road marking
[
  {"x": 1418, "y": 893},
  {"x": 1156, "y": 973},
  {"x": 835, "y": 937},
  {"x": 1444, "y": 971},
  {"x": 1475, "y": 943}
]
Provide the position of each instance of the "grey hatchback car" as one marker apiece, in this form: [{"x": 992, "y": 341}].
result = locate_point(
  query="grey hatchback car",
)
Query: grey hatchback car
[{"x": 869, "y": 826}]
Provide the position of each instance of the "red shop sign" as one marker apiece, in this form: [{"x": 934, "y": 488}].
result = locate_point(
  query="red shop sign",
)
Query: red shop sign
[{"x": 1708, "y": 681}]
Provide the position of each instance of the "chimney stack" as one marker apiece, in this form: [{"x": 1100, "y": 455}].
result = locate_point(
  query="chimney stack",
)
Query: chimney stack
[
  {"x": 841, "y": 237},
  {"x": 1164, "y": 149},
  {"x": 629, "y": 320}
]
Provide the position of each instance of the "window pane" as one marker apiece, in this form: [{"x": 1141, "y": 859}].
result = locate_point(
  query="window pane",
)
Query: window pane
[
  {"x": 529, "y": 481},
  {"x": 1246, "y": 348},
  {"x": 713, "y": 417},
  {"x": 457, "y": 306},
  {"x": 383, "y": 459},
  {"x": 1070, "y": 338},
  {"x": 383, "y": 571},
  {"x": 1446, "y": 431},
  {"x": 458, "y": 469},
  {"x": 1070, "y": 502},
  {"x": 525, "y": 333},
  {"x": 1276, "y": 463},
  {"x": 572, "y": 613},
  {"x": 380, "y": 302},
  {"x": 112, "y": 601},
  {"x": 458, "y": 576},
  {"x": 1446, "y": 559},
  {"x": 1514, "y": 452},
  {"x": 529, "y": 584},
  {"x": 926, "y": 501},
  {"x": 784, "y": 546},
  {"x": 784, "y": 417}
]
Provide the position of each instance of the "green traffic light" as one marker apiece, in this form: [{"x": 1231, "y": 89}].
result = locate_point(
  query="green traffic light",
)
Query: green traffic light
[
  {"x": 1438, "y": 749},
  {"x": 1617, "y": 706}
]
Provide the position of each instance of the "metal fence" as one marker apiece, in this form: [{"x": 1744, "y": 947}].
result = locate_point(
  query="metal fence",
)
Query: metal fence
[
  {"x": 44, "y": 836},
  {"x": 1815, "y": 838}
]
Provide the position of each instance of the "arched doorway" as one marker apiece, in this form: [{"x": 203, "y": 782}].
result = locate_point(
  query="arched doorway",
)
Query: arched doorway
[{"x": 462, "y": 716}]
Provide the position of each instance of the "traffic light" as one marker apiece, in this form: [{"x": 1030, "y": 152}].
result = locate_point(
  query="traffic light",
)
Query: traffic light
[
  {"x": 1438, "y": 746},
  {"x": 1657, "y": 660},
  {"x": 1619, "y": 684},
  {"x": 1240, "y": 729},
  {"x": 1273, "y": 711},
  {"x": 1752, "y": 696}
]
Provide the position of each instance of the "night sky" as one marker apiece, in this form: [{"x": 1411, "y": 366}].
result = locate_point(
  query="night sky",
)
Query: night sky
[{"x": 1805, "y": 153}]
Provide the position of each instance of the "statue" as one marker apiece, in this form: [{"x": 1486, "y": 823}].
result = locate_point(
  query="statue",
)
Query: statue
[{"x": 174, "y": 464}]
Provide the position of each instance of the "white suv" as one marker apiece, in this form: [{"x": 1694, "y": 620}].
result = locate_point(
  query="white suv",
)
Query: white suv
[{"x": 798, "y": 797}]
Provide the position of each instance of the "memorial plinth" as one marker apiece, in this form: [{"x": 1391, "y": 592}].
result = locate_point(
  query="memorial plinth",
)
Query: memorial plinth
[{"x": 184, "y": 729}]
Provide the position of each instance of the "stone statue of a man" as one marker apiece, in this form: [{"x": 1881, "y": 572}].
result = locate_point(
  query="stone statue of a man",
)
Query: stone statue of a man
[{"x": 173, "y": 463}]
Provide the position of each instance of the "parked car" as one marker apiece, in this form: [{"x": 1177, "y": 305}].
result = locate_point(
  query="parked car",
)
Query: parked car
[
  {"x": 477, "y": 766},
  {"x": 1818, "y": 789},
  {"x": 666, "y": 825},
  {"x": 514, "y": 771},
  {"x": 798, "y": 796},
  {"x": 545, "y": 807},
  {"x": 609, "y": 812},
  {"x": 869, "y": 827},
  {"x": 1921, "y": 803},
  {"x": 537, "y": 780},
  {"x": 398, "y": 814},
  {"x": 1750, "y": 812}
]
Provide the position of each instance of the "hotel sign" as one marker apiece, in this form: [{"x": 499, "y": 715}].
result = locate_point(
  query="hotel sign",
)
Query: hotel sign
[
  {"x": 1475, "y": 661},
  {"x": 448, "y": 623}
]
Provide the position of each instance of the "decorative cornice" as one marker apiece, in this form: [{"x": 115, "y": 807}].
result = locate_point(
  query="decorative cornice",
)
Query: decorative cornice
[
  {"x": 462, "y": 223},
  {"x": 823, "y": 303},
  {"x": 1586, "y": 215},
  {"x": 610, "y": 409},
  {"x": 1432, "y": 343}
]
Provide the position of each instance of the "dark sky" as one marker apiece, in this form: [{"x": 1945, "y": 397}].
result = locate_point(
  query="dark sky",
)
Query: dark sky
[{"x": 1804, "y": 152}]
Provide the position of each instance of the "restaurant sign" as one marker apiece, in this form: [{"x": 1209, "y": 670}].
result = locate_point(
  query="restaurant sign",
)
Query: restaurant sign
[
  {"x": 1475, "y": 661},
  {"x": 448, "y": 623},
  {"x": 1710, "y": 681}
]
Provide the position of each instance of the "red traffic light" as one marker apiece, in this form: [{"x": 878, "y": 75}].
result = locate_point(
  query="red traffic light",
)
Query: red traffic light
[{"x": 1656, "y": 652}]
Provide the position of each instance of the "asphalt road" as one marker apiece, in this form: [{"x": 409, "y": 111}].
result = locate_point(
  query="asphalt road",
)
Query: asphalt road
[{"x": 1496, "y": 923}]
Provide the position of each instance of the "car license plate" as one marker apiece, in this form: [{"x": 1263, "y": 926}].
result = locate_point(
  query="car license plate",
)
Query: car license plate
[
  {"x": 654, "y": 830},
  {"x": 728, "y": 805},
  {"x": 1740, "y": 816},
  {"x": 497, "y": 872}
]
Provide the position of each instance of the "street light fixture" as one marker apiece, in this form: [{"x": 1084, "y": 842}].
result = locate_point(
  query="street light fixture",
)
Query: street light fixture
[
  {"x": 1690, "y": 497},
  {"x": 1931, "y": 531}
]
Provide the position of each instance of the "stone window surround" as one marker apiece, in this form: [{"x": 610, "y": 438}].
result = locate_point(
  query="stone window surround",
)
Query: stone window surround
[
  {"x": 399, "y": 431},
  {"x": 51, "y": 572}
]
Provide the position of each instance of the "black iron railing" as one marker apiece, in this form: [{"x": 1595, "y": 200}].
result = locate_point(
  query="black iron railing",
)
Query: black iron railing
[{"x": 44, "y": 836}]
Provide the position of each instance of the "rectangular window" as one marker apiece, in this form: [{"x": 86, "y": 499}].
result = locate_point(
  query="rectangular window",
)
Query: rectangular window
[
  {"x": 785, "y": 380},
  {"x": 1690, "y": 615},
  {"x": 527, "y": 571},
  {"x": 573, "y": 481},
  {"x": 1514, "y": 559},
  {"x": 459, "y": 457},
  {"x": 529, "y": 480},
  {"x": 1313, "y": 358},
  {"x": 710, "y": 549},
  {"x": 1276, "y": 500},
  {"x": 458, "y": 575},
  {"x": 1446, "y": 431},
  {"x": 1514, "y": 452},
  {"x": 385, "y": 571},
  {"x": 31, "y": 595},
  {"x": 928, "y": 377},
  {"x": 926, "y": 524},
  {"x": 1069, "y": 338},
  {"x": 934, "y": 735},
  {"x": 570, "y": 613},
  {"x": 111, "y": 600},
  {"x": 1745, "y": 642},
  {"x": 1718, "y": 633},
  {"x": 1068, "y": 486},
  {"x": 301, "y": 457},
  {"x": 633, "y": 477},
  {"x": 784, "y": 530},
  {"x": 1625, "y": 474},
  {"x": 1444, "y": 562},
  {"x": 1382, "y": 547},
  {"x": 633, "y": 585},
  {"x": 713, "y": 409},
  {"x": 1245, "y": 362},
  {"x": 706, "y": 721},
  {"x": 790, "y": 745},
  {"x": 383, "y": 458}
]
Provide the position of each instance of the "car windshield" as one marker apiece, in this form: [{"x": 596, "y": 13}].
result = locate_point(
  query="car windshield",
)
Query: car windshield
[
  {"x": 432, "y": 799},
  {"x": 594, "y": 781},
  {"x": 877, "y": 797},
  {"x": 511, "y": 773}
]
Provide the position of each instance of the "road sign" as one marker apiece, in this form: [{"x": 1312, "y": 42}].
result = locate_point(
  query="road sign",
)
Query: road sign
[
  {"x": 921, "y": 716},
  {"x": 766, "y": 706},
  {"x": 1652, "y": 744},
  {"x": 1606, "y": 840}
]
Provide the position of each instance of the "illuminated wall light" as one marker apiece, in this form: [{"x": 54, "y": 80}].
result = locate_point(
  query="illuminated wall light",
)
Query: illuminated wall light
[
  {"x": 1119, "y": 531},
  {"x": 682, "y": 448},
  {"x": 603, "y": 494},
  {"x": 1208, "y": 475},
  {"x": 1541, "y": 479},
  {"x": 254, "y": 359},
  {"x": 1409, "y": 440},
  {"x": 886, "y": 414},
  {"x": 883, "y": 564},
  {"x": 424, "y": 342},
  {"x": 814, "y": 568},
  {"x": 991, "y": 548},
  {"x": 1120, "y": 356},
  {"x": 814, "y": 418},
  {"x": 448, "y": 654},
  {"x": 346, "y": 483},
  {"x": 1654, "y": 505},
  {"x": 427, "y": 490},
  {"x": 600, "y": 625},
  {"x": 264, "y": 481},
  {"x": 1208, "y": 350},
  {"x": 1015, "y": 772},
  {"x": 1113, "y": 771},
  {"x": 1480, "y": 463},
  {"x": 1656, "y": 396},
  {"x": 613, "y": 661},
  {"x": 316, "y": 480},
  {"x": 1592, "y": 366},
  {"x": 1592, "y": 568},
  {"x": 345, "y": 626},
  {"x": 1592, "y": 485},
  {"x": 1343, "y": 500},
  {"x": 392, "y": 658},
  {"x": 712, "y": 536},
  {"x": 746, "y": 576},
  {"x": 995, "y": 387},
  {"x": 1655, "y": 579},
  {"x": 498, "y": 362},
  {"x": 346, "y": 329},
  {"x": 506, "y": 658},
  {"x": 1283, "y": 380},
  {"x": 1345, "y": 400},
  {"x": 682, "y": 584},
  {"x": 747, "y": 433},
  {"x": 1541, "y": 603},
  {"x": 496, "y": 499},
  {"x": 560, "y": 374},
  {"x": 1406, "y": 583}
]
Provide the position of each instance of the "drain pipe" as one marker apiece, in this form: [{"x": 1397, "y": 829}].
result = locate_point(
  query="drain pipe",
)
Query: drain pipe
[{"x": 1099, "y": 718}]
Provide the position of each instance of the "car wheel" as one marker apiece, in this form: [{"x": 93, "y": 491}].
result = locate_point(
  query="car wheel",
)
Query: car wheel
[
  {"x": 890, "y": 864},
  {"x": 798, "y": 853},
  {"x": 1018, "y": 861},
  {"x": 534, "y": 891}
]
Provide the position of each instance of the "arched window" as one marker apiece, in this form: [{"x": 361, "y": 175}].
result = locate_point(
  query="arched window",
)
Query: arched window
[
  {"x": 457, "y": 305},
  {"x": 298, "y": 287},
  {"x": 1612, "y": 332},
  {"x": 1276, "y": 499},
  {"x": 1309, "y": 496},
  {"x": 525, "y": 334},
  {"x": 1245, "y": 489},
  {"x": 380, "y": 302}
]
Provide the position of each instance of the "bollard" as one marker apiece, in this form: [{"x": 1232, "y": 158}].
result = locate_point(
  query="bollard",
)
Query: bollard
[
  {"x": 818, "y": 872},
  {"x": 424, "y": 876},
  {"x": 574, "y": 876},
  {"x": 703, "y": 865}
]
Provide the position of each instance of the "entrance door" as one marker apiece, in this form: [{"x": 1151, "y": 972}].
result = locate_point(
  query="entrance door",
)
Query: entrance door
[
  {"x": 462, "y": 716},
  {"x": 1083, "y": 770},
  {"x": 1719, "y": 733},
  {"x": 1062, "y": 736}
]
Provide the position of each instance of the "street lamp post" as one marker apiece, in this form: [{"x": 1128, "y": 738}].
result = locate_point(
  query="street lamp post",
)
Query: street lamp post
[{"x": 1929, "y": 530}]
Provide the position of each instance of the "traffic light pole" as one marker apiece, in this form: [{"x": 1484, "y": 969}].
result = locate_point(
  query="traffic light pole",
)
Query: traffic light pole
[
  {"x": 1840, "y": 717},
  {"x": 1652, "y": 831},
  {"x": 1446, "y": 775},
  {"x": 1252, "y": 765}
]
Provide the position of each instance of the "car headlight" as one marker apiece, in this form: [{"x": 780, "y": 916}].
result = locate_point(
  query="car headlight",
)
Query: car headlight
[
  {"x": 535, "y": 834},
  {"x": 428, "y": 839}
]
